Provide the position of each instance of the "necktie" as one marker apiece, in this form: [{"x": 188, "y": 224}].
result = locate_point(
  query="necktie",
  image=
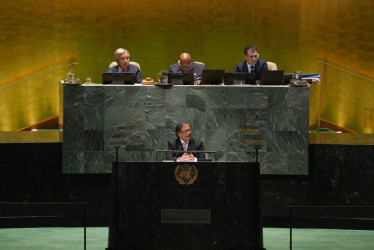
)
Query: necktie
[
  {"x": 252, "y": 69},
  {"x": 123, "y": 71},
  {"x": 185, "y": 146}
]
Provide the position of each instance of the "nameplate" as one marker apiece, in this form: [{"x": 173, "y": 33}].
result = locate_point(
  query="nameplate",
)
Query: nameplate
[
  {"x": 118, "y": 82},
  {"x": 186, "y": 216}
]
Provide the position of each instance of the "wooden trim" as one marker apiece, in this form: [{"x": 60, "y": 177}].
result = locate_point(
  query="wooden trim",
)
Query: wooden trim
[
  {"x": 330, "y": 125},
  {"x": 49, "y": 123}
]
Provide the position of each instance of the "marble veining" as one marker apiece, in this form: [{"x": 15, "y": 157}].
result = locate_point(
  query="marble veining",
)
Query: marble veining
[{"x": 229, "y": 119}]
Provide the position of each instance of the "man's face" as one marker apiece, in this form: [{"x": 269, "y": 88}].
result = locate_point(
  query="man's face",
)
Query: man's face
[
  {"x": 186, "y": 66},
  {"x": 251, "y": 57},
  {"x": 185, "y": 134},
  {"x": 123, "y": 60}
]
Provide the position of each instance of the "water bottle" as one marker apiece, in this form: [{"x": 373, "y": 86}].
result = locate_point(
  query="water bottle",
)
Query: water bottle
[
  {"x": 71, "y": 75},
  {"x": 297, "y": 78}
]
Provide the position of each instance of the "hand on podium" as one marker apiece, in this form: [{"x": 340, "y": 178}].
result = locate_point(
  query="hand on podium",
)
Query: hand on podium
[{"x": 187, "y": 158}]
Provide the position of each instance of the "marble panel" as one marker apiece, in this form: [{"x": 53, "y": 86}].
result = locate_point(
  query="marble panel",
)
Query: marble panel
[
  {"x": 93, "y": 118},
  {"x": 230, "y": 120}
]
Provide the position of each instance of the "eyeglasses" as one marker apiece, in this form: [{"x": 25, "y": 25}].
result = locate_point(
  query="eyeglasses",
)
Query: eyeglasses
[
  {"x": 186, "y": 66},
  {"x": 254, "y": 56},
  {"x": 186, "y": 131},
  {"x": 124, "y": 58}
]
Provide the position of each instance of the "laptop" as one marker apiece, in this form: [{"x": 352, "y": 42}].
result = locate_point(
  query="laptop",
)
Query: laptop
[
  {"x": 180, "y": 78},
  {"x": 238, "y": 78},
  {"x": 272, "y": 77},
  {"x": 212, "y": 76},
  {"x": 118, "y": 78}
]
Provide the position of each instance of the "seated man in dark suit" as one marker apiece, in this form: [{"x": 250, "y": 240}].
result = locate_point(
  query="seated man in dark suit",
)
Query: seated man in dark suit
[
  {"x": 186, "y": 64},
  {"x": 185, "y": 142},
  {"x": 252, "y": 63},
  {"x": 123, "y": 60}
]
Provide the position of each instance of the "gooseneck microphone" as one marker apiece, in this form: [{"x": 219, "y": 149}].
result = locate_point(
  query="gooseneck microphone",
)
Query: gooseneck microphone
[{"x": 176, "y": 154}]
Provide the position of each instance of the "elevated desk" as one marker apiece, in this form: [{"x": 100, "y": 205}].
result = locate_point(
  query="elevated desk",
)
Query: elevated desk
[{"x": 230, "y": 120}]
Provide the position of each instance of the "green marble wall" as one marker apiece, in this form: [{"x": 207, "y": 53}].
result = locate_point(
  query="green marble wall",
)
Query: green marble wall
[{"x": 230, "y": 120}]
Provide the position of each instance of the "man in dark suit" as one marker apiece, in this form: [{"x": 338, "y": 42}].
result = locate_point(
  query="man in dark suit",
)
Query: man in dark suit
[
  {"x": 185, "y": 142},
  {"x": 186, "y": 64},
  {"x": 123, "y": 61},
  {"x": 252, "y": 63}
]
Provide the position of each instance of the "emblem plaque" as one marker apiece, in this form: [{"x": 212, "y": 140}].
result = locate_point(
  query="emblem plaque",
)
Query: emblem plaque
[{"x": 186, "y": 174}]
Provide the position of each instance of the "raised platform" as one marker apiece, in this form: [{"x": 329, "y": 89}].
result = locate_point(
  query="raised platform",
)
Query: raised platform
[
  {"x": 230, "y": 120},
  {"x": 339, "y": 174},
  {"x": 341, "y": 138}
]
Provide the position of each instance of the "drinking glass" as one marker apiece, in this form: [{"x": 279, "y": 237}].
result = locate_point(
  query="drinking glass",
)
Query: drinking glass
[{"x": 88, "y": 80}]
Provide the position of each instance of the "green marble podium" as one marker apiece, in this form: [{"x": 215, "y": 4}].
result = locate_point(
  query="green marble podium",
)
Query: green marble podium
[{"x": 230, "y": 120}]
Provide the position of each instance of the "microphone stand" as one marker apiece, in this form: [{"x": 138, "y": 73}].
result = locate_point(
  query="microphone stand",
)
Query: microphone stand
[{"x": 257, "y": 147}]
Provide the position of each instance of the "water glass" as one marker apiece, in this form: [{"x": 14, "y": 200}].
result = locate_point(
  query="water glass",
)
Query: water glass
[{"x": 88, "y": 80}]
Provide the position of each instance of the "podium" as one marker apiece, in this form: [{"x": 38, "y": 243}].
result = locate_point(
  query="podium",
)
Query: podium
[{"x": 186, "y": 205}]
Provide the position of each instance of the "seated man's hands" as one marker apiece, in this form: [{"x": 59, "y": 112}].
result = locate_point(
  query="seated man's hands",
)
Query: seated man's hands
[{"x": 187, "y": 157}]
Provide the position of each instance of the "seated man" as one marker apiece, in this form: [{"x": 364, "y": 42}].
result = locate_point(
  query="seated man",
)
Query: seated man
[
  {"x": 252, "y": 63},
  {"x": 185, "y": 142},
  {"x": 123, "y": 60},
  {"x": 186, "y": 64}
]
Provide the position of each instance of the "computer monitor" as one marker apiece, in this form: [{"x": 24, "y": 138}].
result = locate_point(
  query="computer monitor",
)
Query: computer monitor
[
  {"x": 239, "y": 78},
  {"x": 212, "y": 76},
  {"x": 272, "y": 77},
  {"x": 118, "y": 78},
  {"x": 180, "y": 78},
  {"x": 287, "y": 78}
]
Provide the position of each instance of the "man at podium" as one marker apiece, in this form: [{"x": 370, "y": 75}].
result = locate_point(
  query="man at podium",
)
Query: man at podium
[{"x": 185, "y": 142}]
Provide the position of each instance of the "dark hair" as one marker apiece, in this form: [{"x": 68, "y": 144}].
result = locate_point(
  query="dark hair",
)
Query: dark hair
[
  {"x": 179, "y": 126},
  {"x": 249, "y": 47}
]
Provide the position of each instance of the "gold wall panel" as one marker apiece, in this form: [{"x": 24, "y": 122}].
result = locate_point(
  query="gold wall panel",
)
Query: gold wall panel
[{"x": 292, "y": 33}]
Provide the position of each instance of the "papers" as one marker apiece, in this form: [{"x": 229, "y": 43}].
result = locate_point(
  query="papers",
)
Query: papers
[{"x": 314, "y": 77}]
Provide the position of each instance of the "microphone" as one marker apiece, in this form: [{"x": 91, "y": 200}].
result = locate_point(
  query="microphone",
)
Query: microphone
[{"x": 176, "y": 154}]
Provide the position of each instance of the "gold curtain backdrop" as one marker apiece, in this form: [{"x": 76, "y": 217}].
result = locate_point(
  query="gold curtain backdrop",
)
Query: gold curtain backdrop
[{"x": 41, "y": 35}]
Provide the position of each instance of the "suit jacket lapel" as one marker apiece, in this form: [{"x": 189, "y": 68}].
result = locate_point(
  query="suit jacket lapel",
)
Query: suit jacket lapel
[
  {"x": 179, "y": 145},
  {"x": 245, "y": 67},
  {"x": 191, "y": 145},
  {"x": 257, "y": 67}
]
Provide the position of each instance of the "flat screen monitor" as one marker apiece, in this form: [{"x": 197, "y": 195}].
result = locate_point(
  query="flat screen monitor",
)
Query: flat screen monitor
[
  {"x": 212, "y": 76},
  {"x": 180, "y": 78},
  {"x": 287, "y": 79},
  {"x": 239, "y": 78},
  {"x": 272, "y": 77},
  {"x": 118, "y": 78}
]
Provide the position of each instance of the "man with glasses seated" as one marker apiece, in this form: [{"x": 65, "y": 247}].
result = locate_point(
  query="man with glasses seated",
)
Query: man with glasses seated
[
  {"x": 185, "y": 142},
  {"x": 186, "y": 64},
  {"x": 123, "y": 65},
  {"x": 252, "y": 63}
]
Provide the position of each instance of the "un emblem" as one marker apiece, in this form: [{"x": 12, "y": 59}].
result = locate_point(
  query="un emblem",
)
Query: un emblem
[{"x": 186, "y": 174}]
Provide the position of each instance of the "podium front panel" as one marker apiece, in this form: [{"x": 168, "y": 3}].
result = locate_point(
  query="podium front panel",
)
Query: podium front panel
[{"x": 169, "y": 205}]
